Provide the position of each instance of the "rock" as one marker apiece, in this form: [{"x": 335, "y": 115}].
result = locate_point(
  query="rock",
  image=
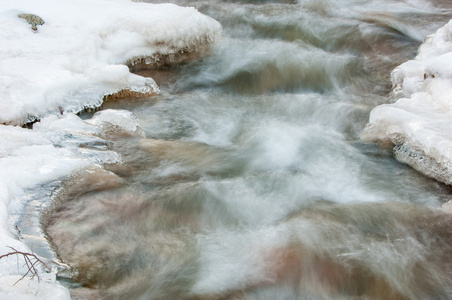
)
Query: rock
[
  {"x": 424, "y": 163},
  {"x": 149, "y": 89},
  {"x": 447, "y": 207},
  {"x": 33, "y": 20},
  {"x": 128, "y": 93}
]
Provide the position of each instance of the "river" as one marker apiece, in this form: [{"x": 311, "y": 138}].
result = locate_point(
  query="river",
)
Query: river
[{"x": 253, "y": 182}]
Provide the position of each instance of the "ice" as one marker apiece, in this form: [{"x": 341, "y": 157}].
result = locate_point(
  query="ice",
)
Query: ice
[
  {"x": 79, "y": 54},
  {"x": 111, "y": 121},
  {"x": 418, "y": 123}
]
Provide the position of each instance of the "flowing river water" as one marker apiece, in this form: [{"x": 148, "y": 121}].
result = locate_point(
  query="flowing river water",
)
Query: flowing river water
[{"x": 253, "y": 182}]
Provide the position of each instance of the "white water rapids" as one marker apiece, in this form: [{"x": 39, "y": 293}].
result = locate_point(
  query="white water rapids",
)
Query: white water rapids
[{"x": 252, "y": 182}]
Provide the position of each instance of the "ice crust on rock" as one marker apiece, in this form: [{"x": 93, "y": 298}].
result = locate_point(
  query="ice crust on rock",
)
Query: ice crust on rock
[
  {"x": 79, "y": 54},
  {"x": 419, "y": 122},
  {"x": 120, "y": 122}
]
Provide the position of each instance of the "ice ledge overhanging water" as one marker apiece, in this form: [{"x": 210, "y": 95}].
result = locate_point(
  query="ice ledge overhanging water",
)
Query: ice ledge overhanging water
[{"x": 418, "y": 124}]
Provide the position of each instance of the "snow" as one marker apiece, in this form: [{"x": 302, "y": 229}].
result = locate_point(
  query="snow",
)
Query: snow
[
  {"x": 27, "y": 159},
  {"x": 78, "y": 55},
  {"x": 418, "y": 123},
  {"x": 69, "y": 63}
]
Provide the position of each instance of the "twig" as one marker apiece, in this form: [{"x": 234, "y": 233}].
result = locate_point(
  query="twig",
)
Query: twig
[{"x": 30, "y": 261}]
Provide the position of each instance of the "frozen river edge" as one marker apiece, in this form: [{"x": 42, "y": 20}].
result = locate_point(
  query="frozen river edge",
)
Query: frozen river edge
[{"x": 417, "y": 124}]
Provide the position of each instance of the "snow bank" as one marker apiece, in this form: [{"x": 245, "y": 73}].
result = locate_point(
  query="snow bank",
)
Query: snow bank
[
  {"x": 26, "y": 159},
  {"x": 79, "y": 54},
  {"x": 419, "y": 123},
  {"x": 55, "y": 148}
]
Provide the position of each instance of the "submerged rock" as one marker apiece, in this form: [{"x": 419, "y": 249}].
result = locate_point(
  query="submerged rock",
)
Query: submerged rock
[{"x": 447, "y": 207}]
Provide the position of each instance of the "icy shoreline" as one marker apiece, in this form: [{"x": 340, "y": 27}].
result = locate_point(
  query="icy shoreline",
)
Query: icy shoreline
[
  {"x": 417, "y": 125},
  {"x": 71, "y": 62}
]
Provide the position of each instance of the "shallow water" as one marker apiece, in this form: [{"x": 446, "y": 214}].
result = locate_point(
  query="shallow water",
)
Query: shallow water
[{"x": 252, "y": 182}]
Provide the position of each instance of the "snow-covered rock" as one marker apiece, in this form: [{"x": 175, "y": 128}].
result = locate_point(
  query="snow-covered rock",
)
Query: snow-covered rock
[
  {"x": 419, "y": 124},
  {"x": 80, "y": 53},
  {"x": 117, "y": 122}
]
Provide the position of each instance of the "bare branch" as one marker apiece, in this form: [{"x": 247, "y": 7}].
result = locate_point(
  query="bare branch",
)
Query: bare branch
[{"x": 31, "y": 260}]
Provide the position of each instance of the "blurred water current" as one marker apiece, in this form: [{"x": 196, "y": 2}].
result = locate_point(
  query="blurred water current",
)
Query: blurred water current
[{"x": 252, "y": 182}]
